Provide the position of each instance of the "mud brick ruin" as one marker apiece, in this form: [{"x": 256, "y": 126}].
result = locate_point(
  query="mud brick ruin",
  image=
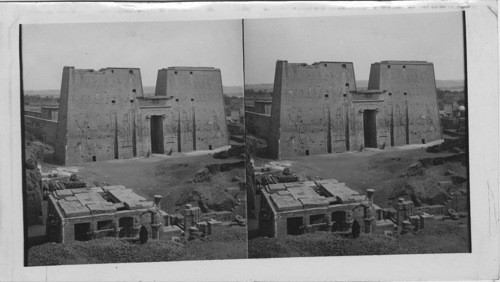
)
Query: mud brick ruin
[
  {"x": 317, "y": 109},
  {"x": 303, "y": 207},
  {"x": 105, "y": 115}
]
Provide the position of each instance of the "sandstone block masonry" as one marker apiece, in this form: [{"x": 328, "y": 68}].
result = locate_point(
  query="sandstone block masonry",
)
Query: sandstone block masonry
[
  {"x": 105, "y": 115},
  {"x": 316, "y": 109}
]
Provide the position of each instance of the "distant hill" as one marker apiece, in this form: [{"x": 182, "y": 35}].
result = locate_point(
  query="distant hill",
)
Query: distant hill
[
  {"x": 451, "y": 85},
  {"x": 43, "y": 93},
  {"x": 262, "y": 86},
  {"x": 233, "y": 91},
  {"x": 228, "y": 90}
]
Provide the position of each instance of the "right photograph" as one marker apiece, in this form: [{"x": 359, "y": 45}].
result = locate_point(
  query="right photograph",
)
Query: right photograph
[{"x": 357, "y": 138}]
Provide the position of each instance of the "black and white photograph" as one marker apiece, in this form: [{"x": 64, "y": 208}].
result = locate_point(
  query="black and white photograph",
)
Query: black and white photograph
[
  {"x": 129, "y": 147},
  {"x": 358, "y": 129},
  {"x": 249, "y": 141}
]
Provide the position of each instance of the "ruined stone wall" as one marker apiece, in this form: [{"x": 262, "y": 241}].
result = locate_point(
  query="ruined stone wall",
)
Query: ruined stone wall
[
  {"x": 258, "y": 124},
  {"x": 262, "y": 107},
  {"x": 49, "y": 113},
  {"x": 196, "y": 120},
  {"x": 33, "y": 192},
  {"x": 98, "y": 115},
  {"x": 33, "y": 114},
  {"x": 411, "y": 99},
  {"x": 42, "y": 129},
  {"x": 310, "y": 109}
]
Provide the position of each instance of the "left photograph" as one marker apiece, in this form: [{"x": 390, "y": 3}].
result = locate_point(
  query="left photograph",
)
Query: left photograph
[{"x": 133, "y": 142}]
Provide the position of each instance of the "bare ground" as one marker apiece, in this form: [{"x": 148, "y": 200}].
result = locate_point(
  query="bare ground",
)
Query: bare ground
[
  {"x": 380, "y": 170},
  {"x": 168, "y": 177},
  {"x": 383, "y": 171},
  {"x": 230, "y": 244},
  {"x": 439, "y": 236}
]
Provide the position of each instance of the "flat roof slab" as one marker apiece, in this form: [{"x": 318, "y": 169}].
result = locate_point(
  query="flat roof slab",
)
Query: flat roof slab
[
  {"x": 139, "y": 205},
  {"x": 314, "y": 202},
  {"x": 324, "y": 181},
  {"x": 303, "y": 192},
  {"x": 345, "y": 194},
  {"x": 129, "y": 199},
  {"x": 73, "y": 208},
  {"x": 99, "y": 208},
  {"x": 273, "y": 188},
  {"x": 299, "y": 184},
  {"x": 286, "y": 202},
  {"x": 90, "y": 198},
  {"x": 124, "y": 195},
  {"x": 61, "y": 194},
  {"x": 87, "y": 190},
  {"x": 113, "y": 187}
]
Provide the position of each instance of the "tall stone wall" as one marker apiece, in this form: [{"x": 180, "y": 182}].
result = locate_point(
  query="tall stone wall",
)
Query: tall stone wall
[
  {"x": 316, "y": 108},
  {"x": 98, "y": 115},
  {"x": 411, "y": 100},
  {"x": 310, "y": 109},
  {"x": 196, "y": 120},
  {"x": 257, "y": 124},
  {"x": 104, "y": 114},
  {"x": 42, "y": 129}
]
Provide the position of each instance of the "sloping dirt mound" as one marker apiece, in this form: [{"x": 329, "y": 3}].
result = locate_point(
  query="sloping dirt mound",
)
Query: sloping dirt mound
[
  {"x": 230, "y": 244},
  {"x": 33, "y": 183},
  {"x": 327, "y": 244},
  {"x": 107, "y": 250},
  {"x": 213, "y": 198},
  {"x": 437, "y": 237},
  {"x": 209, "y": 190},
  {"x": 424, "y": 186}
]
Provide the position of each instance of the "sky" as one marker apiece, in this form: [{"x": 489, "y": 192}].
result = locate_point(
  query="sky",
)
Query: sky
[
  {"x": 363, "y": 40},
  {"x": 47, "y": 48}
]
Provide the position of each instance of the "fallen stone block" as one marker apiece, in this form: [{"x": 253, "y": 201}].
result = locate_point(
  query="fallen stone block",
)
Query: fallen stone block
[
  {"x": 203, "y": 227},
  {"x": 213, "y": 226},
  {"x": 384, "y": 224},
  {"x": 406, "y": 227},
  {"x": 61, "y": 194},
  {"x": 170, "y": 232}
]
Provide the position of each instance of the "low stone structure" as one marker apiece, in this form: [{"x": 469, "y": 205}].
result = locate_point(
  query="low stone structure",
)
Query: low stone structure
[
  {"x": 303, "y": 207},
  {"x": 90, "y": 213}
]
